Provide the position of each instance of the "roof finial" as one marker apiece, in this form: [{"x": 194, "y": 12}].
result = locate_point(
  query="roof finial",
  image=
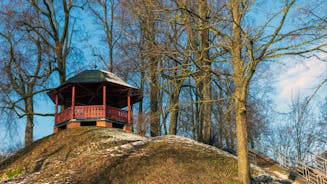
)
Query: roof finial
[{"x": 95, "y": 65}]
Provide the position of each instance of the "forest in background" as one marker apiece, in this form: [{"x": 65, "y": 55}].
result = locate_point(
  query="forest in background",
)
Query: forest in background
[{"x": 203, "y": 67}]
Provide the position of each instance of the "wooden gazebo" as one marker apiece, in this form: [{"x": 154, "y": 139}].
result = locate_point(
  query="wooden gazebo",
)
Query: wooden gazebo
[{"x": 94, "y": 98}]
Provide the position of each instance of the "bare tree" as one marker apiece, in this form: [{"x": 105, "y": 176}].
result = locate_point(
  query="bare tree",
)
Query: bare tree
[
  {"x": 195, "y": 19},
  {"x": 305, "y": 127},
  {"x": 298, "y": 132},
  {"x": 25, "y": 61},
  {"x": 104, "y": 12},
  {"x": 145, "y": 15},
  {"x": 53, "y": 30},
  {"x": 250, "y": 45}
]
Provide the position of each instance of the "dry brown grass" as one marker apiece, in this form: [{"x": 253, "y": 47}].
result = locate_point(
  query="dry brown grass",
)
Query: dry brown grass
[
  {"x": 160, "y": 162},
  {"x": 91, "y": 155}
]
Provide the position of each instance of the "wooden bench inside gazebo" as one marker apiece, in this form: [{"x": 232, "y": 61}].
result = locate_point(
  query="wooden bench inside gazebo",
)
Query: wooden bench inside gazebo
[{"x": 94, "y": 98}]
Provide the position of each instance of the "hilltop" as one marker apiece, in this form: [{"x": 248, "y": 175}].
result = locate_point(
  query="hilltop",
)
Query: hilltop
[{"x": 106, "y": 155}]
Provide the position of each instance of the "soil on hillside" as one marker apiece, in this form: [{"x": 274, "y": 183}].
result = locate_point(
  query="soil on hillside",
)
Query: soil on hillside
[{"x": 106, "y": 155}]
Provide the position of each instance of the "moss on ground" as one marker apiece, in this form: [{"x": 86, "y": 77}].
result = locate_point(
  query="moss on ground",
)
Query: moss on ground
[{"x": 12, "y": 173}]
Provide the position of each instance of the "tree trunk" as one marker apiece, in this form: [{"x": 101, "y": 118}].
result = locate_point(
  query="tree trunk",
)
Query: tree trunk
[
  {"x": 232, "y": 135},
  {"x": 206, "y": 112},
  {"x": 242, "y": 143},
  {"x": 61, "y": 63},
  {"x": 110, "y": 58},
  {"x": 193, "y": 113},
  {"x": 155, "y": 120},
  {"x": 110, "y": 39},
  {"x": 206, "y": 78},
  {"x": 155, "y": 123},
  {"x": 174, "y": 103},
  {"x": 108, "y": 28},
  {"x": 140, "y": 129},
  {"x": 241, "y": 132},
  {"x": 298, "y": 141},
  {"x": 174, "y": 111},
  {"x": 240, "y": 96},
  {"x": 29, "y": 121},
  {"x": 220, "y": 130},
  {"x": 198, "y": 120}
]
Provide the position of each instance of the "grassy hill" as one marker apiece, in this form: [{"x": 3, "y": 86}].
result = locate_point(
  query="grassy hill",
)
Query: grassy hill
[{"x": 105, "y": 155}]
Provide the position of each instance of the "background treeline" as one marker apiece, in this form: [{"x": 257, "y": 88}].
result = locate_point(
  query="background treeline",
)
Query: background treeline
[{"x": 203, "y": 67}]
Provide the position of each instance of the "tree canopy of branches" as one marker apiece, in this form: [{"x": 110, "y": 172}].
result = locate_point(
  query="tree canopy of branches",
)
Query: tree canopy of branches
[
  {"x": 24, "y": 62},
  {"x": 194, "y": 61},
  {"x": 55, "y": 28}
]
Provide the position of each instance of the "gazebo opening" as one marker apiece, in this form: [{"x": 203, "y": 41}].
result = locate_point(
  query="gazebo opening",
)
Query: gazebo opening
[
  {"x": 89, "y": 123},
  {"x": 115, "y": 125},
  {"x": 94, "y": 98},
  {"x": 62, "y": 127}
]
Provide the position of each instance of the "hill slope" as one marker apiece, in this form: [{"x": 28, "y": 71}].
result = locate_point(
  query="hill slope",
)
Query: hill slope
[{"x": 105, "y": 155}]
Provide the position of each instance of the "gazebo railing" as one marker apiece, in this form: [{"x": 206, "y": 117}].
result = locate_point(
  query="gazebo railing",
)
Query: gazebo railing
[
  {"x": 91, "y": 111},
  {"x": 116, "y": 114},
  {"x": 63, "y": 116}
]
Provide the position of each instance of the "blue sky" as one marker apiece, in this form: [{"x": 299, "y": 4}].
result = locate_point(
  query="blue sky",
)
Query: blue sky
[{"x": 298, "y": 76}]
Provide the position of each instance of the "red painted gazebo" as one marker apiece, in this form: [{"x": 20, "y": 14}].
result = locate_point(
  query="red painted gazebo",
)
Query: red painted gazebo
[{"x": 94, "y": 98}]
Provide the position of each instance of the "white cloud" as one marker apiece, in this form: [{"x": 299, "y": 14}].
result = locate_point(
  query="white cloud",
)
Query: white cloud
[{"x": 299, "y": 77}]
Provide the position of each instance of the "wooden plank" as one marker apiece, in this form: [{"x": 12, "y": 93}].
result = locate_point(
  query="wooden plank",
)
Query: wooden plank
[
  {"x": 73, "y": 101},
  {"x": 129, "y": 112},
  {"x": 104, "y": 95},
  {"x": 63, "y": 116},
  {"x": 92, "y": 111},
  {"x": 56, "y": 103}
]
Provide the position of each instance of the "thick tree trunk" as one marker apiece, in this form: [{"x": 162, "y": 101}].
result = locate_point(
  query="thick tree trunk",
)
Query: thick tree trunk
[
  {"x": 206, "y": 112},
  {"x": 174, "y": 104},
  {"x": 205, "y": 107},
  {"x": 29, "y": 121},
  {"x": 242, "y": 142},
  {"x": 149, "y": 33},
  {"x": 240, "y": 95},
  {"x": 155, "y": 122},
  {"x": 61, "y": 63}
]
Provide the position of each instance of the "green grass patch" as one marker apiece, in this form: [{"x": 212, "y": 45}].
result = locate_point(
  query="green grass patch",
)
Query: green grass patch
[{"x": 14, "y": 173}]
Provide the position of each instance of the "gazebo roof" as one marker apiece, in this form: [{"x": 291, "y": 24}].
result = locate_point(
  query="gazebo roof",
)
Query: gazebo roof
[
  {"x": 90, "y": 76},
  {"x": 88, "y": 89}
]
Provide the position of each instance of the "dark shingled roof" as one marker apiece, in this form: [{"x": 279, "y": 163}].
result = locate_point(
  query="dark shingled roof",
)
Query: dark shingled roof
[
  {"x": 88, "y": 82},
  {"x": 97, "y": 76}
]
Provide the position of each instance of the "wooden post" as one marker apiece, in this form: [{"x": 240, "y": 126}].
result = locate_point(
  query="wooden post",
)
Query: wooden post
[
  {"x": 129, "y": 114},
  {"x": 56, "y": 103},
  {"x": 73, "y": 102},
  {"x": 104, "y": 97}
]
